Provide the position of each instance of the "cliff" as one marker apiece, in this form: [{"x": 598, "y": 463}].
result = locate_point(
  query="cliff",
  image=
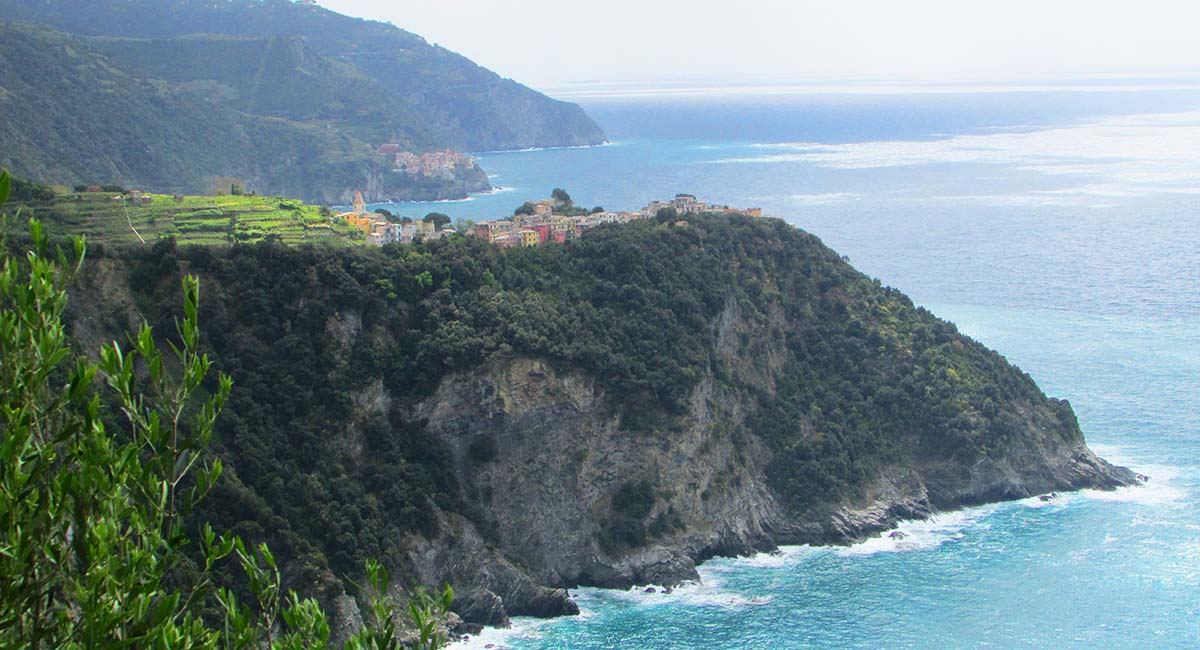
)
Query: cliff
[{"x": 606, "y": 412}]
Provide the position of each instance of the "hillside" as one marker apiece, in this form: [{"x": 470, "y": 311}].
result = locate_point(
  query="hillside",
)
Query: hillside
[
  {"x": 201, "y": 220},
  {"x": 608, "y": 411},
  {"x": 72, "y": 117},
  {"x": 290, "y": 99},
  {"x": 468, "y": 107}
]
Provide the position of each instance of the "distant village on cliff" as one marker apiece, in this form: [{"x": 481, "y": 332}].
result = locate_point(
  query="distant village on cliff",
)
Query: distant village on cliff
[{"x": 544, "y": 221}]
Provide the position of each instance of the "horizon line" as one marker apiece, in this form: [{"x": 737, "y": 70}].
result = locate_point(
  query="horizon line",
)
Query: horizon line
[{"x": 685, "y": 88}]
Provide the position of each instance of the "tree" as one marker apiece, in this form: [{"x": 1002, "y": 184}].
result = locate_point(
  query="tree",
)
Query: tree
[
  {"x": 95, "y": 551},
  {"x": 526, "y": 208},
  {"x": 561, "y": 197},
  {"x": 597, "y": 210},
  {"x": 386, "y": 213},
  {"x": 29, "y": 192},
  {"x": 666, "y": 215},
  {"x": 438, "y": 219}
]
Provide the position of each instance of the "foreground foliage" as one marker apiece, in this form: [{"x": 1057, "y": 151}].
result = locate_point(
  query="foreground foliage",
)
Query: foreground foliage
[{"x": 102, "y": 466}]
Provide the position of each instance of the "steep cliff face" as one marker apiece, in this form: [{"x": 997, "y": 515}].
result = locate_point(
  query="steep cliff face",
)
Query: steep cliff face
[
  {"x": 560, "y": 456},
  {"x": 606, "y": 412}
]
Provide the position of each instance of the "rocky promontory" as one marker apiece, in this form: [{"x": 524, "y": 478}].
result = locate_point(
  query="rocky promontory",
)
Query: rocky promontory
[{"x": 607, "y": 412}]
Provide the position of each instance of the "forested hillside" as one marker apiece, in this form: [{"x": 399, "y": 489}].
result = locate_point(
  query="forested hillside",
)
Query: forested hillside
[
  {"x": 689, "y": 389},
  {"x": 290, "y": 99}
]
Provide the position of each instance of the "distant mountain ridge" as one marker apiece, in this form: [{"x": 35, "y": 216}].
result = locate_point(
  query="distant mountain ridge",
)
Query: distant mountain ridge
[{"x": 302, "y": 94}]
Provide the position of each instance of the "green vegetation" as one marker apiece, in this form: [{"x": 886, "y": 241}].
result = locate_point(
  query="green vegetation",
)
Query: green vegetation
[
  {"x": 276, "y": 97},
  {"x": 438, "y": 219},
  {"x": 106, "y": 217},
  {"x": 103, "y": 465},
  {"x": 841, "y": 376},
  {"x": 561, "y": 197}
]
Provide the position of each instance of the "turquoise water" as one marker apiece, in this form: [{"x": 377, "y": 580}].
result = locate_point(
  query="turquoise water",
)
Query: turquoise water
[{"x": 1060, "y": 229}]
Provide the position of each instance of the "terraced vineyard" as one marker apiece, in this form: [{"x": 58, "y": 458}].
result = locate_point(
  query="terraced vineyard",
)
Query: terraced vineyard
[{"x": 108, "y": 217}]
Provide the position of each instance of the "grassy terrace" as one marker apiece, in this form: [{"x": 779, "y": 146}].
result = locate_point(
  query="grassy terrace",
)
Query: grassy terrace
[{"x": 192, "y": 220}]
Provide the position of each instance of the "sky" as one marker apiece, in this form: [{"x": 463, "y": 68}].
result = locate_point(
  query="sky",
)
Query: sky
[{"x": 563, "y": 43}]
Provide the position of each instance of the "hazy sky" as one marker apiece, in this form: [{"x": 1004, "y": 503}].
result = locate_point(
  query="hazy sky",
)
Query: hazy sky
[{"x": 547, "y": 43}]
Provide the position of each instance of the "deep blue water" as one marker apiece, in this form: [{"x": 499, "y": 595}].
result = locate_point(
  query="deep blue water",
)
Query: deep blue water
[{"x": 1062, "y": 229}]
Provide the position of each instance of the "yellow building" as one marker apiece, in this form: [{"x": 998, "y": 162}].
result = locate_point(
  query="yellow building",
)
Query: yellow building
[
  {"x": 529, "y": 238},
  {"x": 364, "y": 222}
]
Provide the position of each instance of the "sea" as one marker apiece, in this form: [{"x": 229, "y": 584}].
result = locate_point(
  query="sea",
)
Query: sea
[{"x": 1057, "y": 225}]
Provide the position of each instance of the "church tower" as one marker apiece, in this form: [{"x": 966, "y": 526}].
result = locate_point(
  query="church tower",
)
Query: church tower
[{"x": 360, "y": 206}]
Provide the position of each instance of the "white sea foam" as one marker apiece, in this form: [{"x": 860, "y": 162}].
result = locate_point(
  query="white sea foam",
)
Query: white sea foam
[
  {"x": 498, "y": 638},
  {"x": 709, "y": 592},
  {"x": 924, "y": 534},
  {"x": 1162, "y": 488},
  {"x": 781, "y": 557},
  {"x": 1155, "y": 492}
]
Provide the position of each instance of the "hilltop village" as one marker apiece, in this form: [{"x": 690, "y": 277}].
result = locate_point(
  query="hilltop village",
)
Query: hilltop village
[{"x": 545, "y": 221}]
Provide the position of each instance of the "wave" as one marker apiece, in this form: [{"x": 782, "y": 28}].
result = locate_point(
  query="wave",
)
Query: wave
[
  {"x": 499, "y": 638},
  {"x": 709, "y": 592},
  {"x": 1162, "y": 488},
  {"x": 923, "y": 534}
]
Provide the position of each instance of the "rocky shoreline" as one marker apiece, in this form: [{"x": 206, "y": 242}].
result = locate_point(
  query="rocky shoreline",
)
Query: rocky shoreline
[
  {"x": 544, "y": 533},
  {"x": 665, "y": 568}
]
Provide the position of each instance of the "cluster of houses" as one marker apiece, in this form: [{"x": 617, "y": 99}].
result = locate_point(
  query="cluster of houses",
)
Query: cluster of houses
[
  {"x": 380, "y": 231},
  {"x": 540, "y": 226},
  {"x": 685, "y": 203},
  {"x": 434, "y": 164},
  {"x": 135, "y": 197},
  {"x": 544, "y": 226}
]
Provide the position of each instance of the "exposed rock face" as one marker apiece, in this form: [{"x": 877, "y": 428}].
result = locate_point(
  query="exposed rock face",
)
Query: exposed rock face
[
  {"x": 561, "y": 453},
  {"x": 495, "y": 588}
]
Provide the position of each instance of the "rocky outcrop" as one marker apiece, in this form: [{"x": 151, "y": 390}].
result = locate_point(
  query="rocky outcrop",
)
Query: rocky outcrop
[{"x": 560, "y": 454}]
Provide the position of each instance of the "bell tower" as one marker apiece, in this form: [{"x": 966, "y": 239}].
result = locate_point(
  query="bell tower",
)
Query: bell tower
[{"x": 360, "y": 206}]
